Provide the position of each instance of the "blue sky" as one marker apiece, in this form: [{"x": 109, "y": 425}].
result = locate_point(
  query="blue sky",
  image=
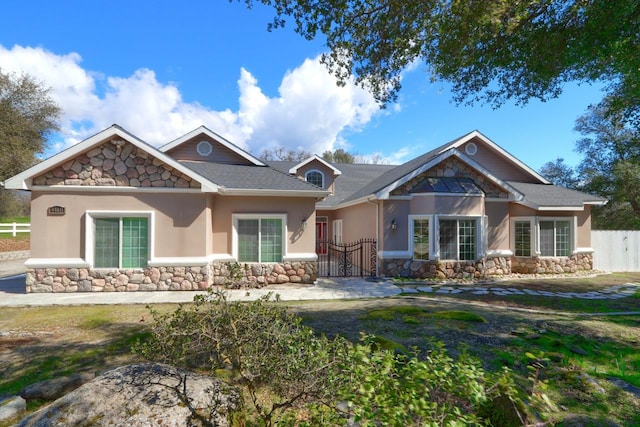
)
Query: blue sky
[{"x": 162, "y": 68}]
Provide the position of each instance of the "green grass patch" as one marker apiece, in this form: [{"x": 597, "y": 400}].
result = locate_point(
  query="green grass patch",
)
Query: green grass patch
[
  {"x": 18, "y": 219},
  {"x": 416, "y": 315}
]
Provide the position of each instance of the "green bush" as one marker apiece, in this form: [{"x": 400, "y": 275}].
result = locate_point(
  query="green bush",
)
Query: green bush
[{"x": 292, "y": 377}]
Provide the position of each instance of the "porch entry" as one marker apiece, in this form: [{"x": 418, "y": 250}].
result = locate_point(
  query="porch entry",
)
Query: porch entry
[{"x": 347, "y": 259}]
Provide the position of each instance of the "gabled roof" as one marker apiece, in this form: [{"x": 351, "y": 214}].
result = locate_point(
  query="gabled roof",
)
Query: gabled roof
[
  {"x": 22, "y": 181},
  {"x": 457, "y": 143},
  {"x": 203, "y": 130},
  {"x": 315, "y": 157}
]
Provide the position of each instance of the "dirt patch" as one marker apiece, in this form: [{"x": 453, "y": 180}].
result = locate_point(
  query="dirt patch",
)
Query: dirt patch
[{"x": 12, "y": 245}]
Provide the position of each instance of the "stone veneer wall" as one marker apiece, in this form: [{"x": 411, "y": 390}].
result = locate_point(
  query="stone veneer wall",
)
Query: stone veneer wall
[
  {"x": 452, "y": 167},
  {"x": 116, "y": 163},
  {"x": 572, "y": 264},
  {"x": 164, "y": 278},
  {"x": 495, "y": 266}
]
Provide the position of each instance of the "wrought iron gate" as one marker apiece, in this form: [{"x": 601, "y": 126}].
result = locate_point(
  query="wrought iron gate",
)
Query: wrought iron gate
[{"x": 346, "y": 260}]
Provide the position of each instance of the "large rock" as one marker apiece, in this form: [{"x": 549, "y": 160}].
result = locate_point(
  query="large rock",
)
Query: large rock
[
  {"x": 55, "y": 388},
  {"x": 142, "y": 395},
  {"x": 12, "y": 407}
]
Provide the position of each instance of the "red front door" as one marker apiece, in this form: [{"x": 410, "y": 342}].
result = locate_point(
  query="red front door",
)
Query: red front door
[{"x": 321, "y": 237}]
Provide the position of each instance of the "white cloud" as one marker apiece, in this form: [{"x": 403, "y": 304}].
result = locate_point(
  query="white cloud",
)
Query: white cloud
[{"x": 309, "y": 112}]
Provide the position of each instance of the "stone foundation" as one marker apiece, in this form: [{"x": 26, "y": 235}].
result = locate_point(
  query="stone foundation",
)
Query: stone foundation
[
  {"x": 496, "y": 266},
  {"x": 561, "y": 265},
  {"x": 464, "y": 270},
  {"x": 192, "y": 278}
]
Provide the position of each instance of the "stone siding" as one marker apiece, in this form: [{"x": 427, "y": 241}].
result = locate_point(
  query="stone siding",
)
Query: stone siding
[
  {"x": 560, "y": 265},
  {"x": 166, "y": 278},
  {"x": 116, "y": 163},
  {"x": 446, "y": 270},
  {"x": 495, "y": 266},
  {"x": 452, "y": 167}
]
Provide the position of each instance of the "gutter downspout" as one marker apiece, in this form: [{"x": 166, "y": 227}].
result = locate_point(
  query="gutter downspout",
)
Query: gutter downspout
[{"x": 377, "y": 205}]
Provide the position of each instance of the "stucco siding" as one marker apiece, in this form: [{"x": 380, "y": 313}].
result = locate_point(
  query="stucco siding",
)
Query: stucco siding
[
  {"x": 179, "y": 222},
  {"x": 358, "y": 222},
  {"x": 498, "y": 225},
  {"x": 299, "y": 239},
  {"x": 445, "y": 205},
  {"x": 395, "y": 240}
]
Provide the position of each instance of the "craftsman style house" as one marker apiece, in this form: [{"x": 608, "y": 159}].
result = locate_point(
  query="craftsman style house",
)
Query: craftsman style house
[{"x": 113, "y": 213}]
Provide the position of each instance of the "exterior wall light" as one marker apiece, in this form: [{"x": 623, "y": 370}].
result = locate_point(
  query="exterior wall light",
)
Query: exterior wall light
[{"x": 394, "y": 224}]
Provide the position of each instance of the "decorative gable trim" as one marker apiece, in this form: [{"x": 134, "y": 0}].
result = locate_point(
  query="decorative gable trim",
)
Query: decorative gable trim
[
  {"x": 219, "y": 139},
  {"x": 476, "y": 134},
  {"x": 385, "y": 193},
  {"x": 315, "y": 157},
  {"x": 24, "y": 180}
]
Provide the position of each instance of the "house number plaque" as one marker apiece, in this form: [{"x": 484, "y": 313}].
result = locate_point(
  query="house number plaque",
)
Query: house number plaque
[{"x": 56, "y": 211}]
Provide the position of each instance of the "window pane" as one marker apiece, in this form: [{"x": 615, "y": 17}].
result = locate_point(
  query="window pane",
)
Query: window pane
[
  {"x": 523, "y": 238},
  {"x": 448, "y": 243},
  {"x": 106, "y": 242},
  {"x": 546, "y": 238},
  {"x": 467, "y": 239},
  {"x": 135, "y": 244},
  {"x": 315, "y": 178},
  {"x": 248, "y": 240},
  {"x": 271, "y": 240},
  {"x": 563, "y": 247},
  {"x": 421, "y": 239}
]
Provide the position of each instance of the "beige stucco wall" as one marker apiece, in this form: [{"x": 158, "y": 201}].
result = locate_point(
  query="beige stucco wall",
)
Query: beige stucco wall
[
  {"x": 358, "y": 222},
  {"x": 299, "y": 240},
  {"x": 498, "y": 225},
  {"x": 180, "y": 221},
  {"x": 445, "y": 205},
  {"x": 395, "y": 240}
]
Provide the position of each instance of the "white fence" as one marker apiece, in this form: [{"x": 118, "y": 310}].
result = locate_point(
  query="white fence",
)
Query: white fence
[
  {"x": 616, "y": 250},
  {"x": 15, "y": 227}
]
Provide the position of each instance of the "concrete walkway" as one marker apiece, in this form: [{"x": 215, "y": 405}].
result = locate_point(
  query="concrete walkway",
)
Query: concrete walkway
[{"x": 12, "y": 291}]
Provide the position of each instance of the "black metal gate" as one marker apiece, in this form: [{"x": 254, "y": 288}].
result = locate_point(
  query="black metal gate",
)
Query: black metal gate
[{"x": 347, "y": 260}]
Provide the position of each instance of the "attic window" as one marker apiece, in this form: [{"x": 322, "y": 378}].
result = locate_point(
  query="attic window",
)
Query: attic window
[
  {"x": 315, "y": 177},
  {"x": 471, "y": 148},
  {"x": 447, "y": 185},
  {"x": 204, "y": 148}
]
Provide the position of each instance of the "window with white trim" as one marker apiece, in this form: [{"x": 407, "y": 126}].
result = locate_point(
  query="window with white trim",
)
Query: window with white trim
[
  {"x": 542, "y": 236},
  {"x": 458, "y": 239},
  {"x": 555, "y": 238},
  {"x": 260, "y": 238},
  {"x": 522, "y": 236},
  {"x": 120, "y": 242},
  {"x": 315, "y": 177},
  {"x": 420, "y": 227}
]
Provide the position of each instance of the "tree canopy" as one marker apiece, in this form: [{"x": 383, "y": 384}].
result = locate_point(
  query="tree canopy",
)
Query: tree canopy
[
  {"x": 338, "y": 155},
  {"x": 27, "y": 116},
  {"x": 610, "y": 166},
  {"x": 491, "y": 51}
]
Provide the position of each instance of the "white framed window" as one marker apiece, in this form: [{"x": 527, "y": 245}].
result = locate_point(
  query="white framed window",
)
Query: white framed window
[
  {"x": 115, "y": 239},
  {"x": 458, "y": 238},
  {"x": 523, "y": 236},
  {"x": 543, "y": 236},
  {"x": 420, "y": 230},
  {"x": 259, "y": 237},
  {"x": 315, "y": 177},
  {"x": 336, "y": 225},
  {"x": 555, "y": 237},
  {"x": 204, "y": 148}
]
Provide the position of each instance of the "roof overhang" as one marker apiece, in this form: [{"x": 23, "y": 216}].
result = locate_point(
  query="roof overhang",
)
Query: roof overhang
[
  {"x": 317, "y": 194},
  {"x": 23, "y": 181}
]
